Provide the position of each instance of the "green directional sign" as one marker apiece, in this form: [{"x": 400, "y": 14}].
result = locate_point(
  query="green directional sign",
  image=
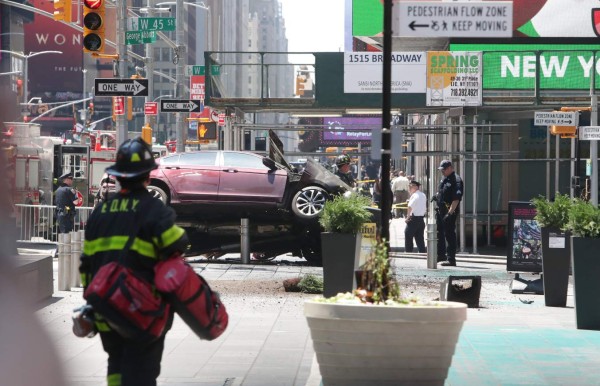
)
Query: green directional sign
[
  {"x": 151, "y": 24},
  {"x": 140, "y": 37},
  {"x": 201, "y": 70}
]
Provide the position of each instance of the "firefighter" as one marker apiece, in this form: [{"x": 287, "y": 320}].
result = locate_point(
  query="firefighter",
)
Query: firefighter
[
  {"x": 66, "y": 199},
  {"x": 343, "y": 170},
  {"x": 107, "y": 231},
  {"x": 107, "y": 189}
]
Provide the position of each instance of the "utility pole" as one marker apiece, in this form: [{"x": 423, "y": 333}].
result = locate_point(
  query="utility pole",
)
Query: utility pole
[
  {"x": 386, "y": 118},
  {"x": 179, "y": 60}
]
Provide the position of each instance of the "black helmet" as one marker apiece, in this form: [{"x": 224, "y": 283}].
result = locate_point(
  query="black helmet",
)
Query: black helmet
[
  {"x": 343, "y": 159},
  {"x": 134, "y": 159}
]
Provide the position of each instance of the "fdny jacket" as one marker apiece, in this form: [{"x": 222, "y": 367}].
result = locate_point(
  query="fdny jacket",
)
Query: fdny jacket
[{"x": 111, "y": 224}]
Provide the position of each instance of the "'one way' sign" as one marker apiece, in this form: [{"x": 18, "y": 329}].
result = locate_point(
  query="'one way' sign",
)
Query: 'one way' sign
[{"x": 121, "y": 87}]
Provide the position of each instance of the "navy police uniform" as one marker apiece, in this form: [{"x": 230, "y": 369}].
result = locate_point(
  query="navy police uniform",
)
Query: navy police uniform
[
  {"x": 65, "y": 206},
  {"x": 450, "y": 189}
]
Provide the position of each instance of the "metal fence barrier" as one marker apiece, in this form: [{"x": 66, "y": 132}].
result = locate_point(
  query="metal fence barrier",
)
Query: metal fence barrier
[{"x": 38, "y": 222}]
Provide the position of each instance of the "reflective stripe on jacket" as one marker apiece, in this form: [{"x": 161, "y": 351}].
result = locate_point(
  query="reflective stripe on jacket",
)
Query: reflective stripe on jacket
[{"x": 111, "y": 224}]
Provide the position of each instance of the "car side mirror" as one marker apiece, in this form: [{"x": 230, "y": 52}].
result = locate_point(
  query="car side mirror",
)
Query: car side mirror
[{"x": 268, "y": 162}]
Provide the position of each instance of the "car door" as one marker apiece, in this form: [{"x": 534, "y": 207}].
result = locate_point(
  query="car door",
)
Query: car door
[
  {"x": 194, "y": 177},
  {"x": 244, "y": 178}
]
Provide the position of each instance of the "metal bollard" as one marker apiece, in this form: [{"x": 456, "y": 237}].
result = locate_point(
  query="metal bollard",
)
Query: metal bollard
[
  {"x": 431, "y": 245},
  {"x": 75, "y": 254},
  {"x": 245, "y": 241},
  {"x": 64, "y": 269}
]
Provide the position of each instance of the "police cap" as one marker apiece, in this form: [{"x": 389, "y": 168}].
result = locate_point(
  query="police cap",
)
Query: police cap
[
  {"x": 65, "y": 176},
  {"x": 444, "y": 164}
]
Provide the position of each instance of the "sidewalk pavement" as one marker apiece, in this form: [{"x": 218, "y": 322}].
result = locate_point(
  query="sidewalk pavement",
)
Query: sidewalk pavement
[{"x": 512, "y": 339}]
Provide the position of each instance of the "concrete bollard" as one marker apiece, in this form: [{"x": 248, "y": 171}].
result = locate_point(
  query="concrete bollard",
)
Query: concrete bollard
[
  {"x": 75, "y": 254},
  {"x": 432, "y": 245},
  {"x": 64, "y": 269},
  {"x": 61, "y": 261},
  {"x": 245, "y": 240}
]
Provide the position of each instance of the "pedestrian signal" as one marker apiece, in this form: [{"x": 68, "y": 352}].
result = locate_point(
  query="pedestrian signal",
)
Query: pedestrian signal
[
  {"x": 62, "y": 10},
  {"x": 147, "y": 134},
  {"x": 93, "y": 25}
]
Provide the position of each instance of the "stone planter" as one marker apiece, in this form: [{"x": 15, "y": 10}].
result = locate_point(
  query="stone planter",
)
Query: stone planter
[{"x": 383, "y": 345}]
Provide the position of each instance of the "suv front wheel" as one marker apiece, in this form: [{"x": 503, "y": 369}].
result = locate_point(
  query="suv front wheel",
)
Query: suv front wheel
[
  {"x": 159, "y": 193},
  {"x": 308, "y": 203}
]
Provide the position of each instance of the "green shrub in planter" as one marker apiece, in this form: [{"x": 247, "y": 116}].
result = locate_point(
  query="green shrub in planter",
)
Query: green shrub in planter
[
  {"x": 584, "y": 219},
  {"x": 553, "y": 214},
  {"x": 345, "y": 214}
]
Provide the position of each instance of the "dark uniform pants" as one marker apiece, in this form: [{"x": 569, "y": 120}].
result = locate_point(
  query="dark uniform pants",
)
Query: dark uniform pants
[
  {"x": 66, "y": 222},
  {"x": 131, "y": 363},
  {"x": 415, "y": 228},
  {"x": 446, "y": 234}
]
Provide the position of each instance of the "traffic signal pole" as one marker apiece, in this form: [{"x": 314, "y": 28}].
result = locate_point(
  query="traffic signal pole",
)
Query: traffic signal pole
[
  {"x": 179, "y": 60},
  {"x": 121, "y": 121}
]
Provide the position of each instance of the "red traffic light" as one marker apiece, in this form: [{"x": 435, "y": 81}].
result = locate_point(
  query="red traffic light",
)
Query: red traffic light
[{"x": 92, "y": 4}]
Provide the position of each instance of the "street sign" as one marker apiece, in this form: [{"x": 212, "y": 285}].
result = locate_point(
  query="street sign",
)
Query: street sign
[
  {"x": 589, "y": 133},
  {"x": 221, "y": 119},
  {"x": 487, "y": 19},
  {"x": 140, "y": 37},
  {"x": 559, "y": 118},
  {"x": 201, "y": 70},
  {"x": 120, "y": 87},
  {"x": 150, "y": 24},
  {"x": 180, "y": 106},
  {"x": 150, "y": 108}
]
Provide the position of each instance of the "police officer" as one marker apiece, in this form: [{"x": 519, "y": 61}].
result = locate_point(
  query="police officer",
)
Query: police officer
[
  {"x": 66, "y": 199},
  {"x": 109, "y": 228},
  {"x": 448, "y": 197},
  {"x": 343, "y": 169},
  {"x": 415, "y": 218}
]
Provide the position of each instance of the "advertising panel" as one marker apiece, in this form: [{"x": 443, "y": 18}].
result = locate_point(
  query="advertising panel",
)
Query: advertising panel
[
  {"x": 513, "y": 66},
  {"x": 453, "y": 78},
  {"x": 531, "y": 18},
  {"x": 524, "y": 238},
  {"x": 363, "y": 72},
  {"x": 348, "y": 129},
  {"x": 55, "y": 73}
]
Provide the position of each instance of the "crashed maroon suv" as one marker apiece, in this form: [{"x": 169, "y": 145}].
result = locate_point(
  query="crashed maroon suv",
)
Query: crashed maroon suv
[
  {"x": 212, "y": 190},
  {"x": 218, "y": 184}
]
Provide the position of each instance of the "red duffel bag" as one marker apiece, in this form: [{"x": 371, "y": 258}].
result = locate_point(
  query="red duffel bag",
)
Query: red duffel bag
[
  {"x": 191, "y": 297},
  {"x": 128, "y": 303}
]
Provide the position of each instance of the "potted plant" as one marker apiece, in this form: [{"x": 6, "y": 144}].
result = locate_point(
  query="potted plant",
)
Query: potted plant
[
  {"x": 584, "y": 225},
  {"x": 342, "y": 219},
  {"x": 372, "y": 336},
  {"x": 552, "y": 216}
]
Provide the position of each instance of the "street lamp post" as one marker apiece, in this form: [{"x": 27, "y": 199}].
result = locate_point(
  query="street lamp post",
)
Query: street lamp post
[
  {"x": 25, "y": 59},
  {"x": 180, "y": 61}
]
